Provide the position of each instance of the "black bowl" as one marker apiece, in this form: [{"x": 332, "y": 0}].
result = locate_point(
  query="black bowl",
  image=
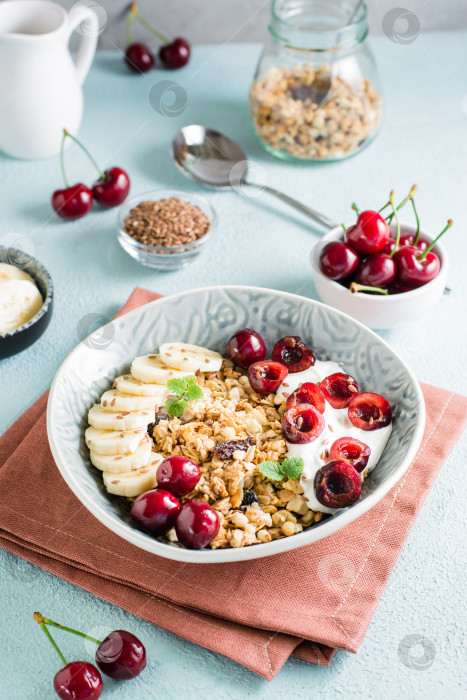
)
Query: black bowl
[{"x": 15, "y": 341}]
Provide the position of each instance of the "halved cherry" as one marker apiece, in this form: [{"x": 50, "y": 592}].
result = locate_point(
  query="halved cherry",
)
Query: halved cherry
[
  {"x": 339, "y": 389},
  {"x": 302, "y": 423},
  {"x": 338, "y": 484},
  {"x": 266, "y": 377},
  {"x": 307, "y": 393},
  {"x": 369, "y": 411},
  {"x": 293, "y": 353},
  {"x": 352, "y": 451}
]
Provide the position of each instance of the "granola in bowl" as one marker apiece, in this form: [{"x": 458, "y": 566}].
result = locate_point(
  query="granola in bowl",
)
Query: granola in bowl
[
  {"x": 231, "y": 452},
  {"x": 252, "y": 508}
]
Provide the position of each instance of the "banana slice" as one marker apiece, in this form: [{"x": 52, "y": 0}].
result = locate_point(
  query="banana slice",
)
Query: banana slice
[
  {"x": 114, "y": 442},
  {"x": 129, "y": 385},
  {"x": 183, "y": 356},
  {"x": 123, "y": 463},
  {"x": 132, "y": 483},
  {"x": 102, "y": 418},
  {"x": 150, "y": 368},
  {"x": 114, "y": 400}
]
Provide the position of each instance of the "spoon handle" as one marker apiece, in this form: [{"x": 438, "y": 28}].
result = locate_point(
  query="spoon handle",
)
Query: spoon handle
[{"x": 315, "y": 215}]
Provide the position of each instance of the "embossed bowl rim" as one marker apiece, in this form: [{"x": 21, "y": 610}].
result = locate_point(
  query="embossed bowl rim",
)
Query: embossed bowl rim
[{"x": 208, "y": 556}]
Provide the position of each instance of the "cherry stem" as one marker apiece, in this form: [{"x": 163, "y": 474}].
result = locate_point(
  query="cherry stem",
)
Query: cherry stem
[
  {"x": 410, "y": 196},
  {"x": 137, "y": 15},
  {"x": 417, "y": 219},
  {"x": 85, "y": 150},
  {"x": 62, "y": 159},
  {"x": 40, "y": 619},
  {"x": 355, "y": 208},
  {"x": 433, "y": 243},
  {"x": 70, "y": 629},
  {"x": 398, "y": 234},
  {"x": 343, "y": 226},
  {"x": 129, "y": 23},
  {"x": 354, "y": 288}
]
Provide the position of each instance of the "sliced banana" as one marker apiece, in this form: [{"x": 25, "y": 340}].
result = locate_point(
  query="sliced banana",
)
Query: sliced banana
[
  {"x": 183, "y": 356},
  {"x": 132, "y": 483},
  {"x": 150, "y": 368},
  {"x": 123, "y": 463},
  {"x": 114, "y": 442},
  {"x": 129, "y": 385},
  {"x": 102, "y": 418},
  {"x": 114, "y": 400}
]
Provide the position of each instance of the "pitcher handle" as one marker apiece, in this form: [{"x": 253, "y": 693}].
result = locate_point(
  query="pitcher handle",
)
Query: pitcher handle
[{"x": 89, "y": 21}]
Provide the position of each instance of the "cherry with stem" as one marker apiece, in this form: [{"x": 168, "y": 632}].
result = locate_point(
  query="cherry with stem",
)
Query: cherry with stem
[
  {"x": 173, "y": 54},
  {"x": 120, "y": 655},
  {"x": 78, "y": 679},
  {"x": 417, "y": 267},
  {"x": 138, "y": 57},
  {"x": 113, "y": 185},
  {"x": 74, "y": 201}
]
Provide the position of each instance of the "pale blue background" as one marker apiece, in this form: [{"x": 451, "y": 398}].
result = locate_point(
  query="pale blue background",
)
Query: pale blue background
[{"x": 424, "y": 140}]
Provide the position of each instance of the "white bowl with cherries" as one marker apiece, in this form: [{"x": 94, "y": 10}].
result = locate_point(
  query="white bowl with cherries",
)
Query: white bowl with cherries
[{"x": 380, "y": 271}]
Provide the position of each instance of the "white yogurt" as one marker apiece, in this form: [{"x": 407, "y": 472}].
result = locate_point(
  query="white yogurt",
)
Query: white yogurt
[{"x": 337, "y": 424}]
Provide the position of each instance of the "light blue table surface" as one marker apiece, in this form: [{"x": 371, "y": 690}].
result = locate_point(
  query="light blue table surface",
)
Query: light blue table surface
[{"x": 259, "y": 242}]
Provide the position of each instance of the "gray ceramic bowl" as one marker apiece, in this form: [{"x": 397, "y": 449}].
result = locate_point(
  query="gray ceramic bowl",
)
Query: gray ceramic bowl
[
  {"x": 209, "y": 317},
  {"x": 27, "y": 334}
]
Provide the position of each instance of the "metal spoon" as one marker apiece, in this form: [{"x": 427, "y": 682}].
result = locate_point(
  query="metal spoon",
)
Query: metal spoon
[{"x": 215, "y": 161}]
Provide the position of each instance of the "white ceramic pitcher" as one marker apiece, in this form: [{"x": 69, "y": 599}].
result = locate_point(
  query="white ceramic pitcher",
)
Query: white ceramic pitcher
[{"x": 40, "y": 85}]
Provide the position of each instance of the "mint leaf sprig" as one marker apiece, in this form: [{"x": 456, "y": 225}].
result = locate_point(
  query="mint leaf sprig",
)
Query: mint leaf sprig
[
  {"x": 185, "y": 390},
  {"x": 291, "y": 467}
]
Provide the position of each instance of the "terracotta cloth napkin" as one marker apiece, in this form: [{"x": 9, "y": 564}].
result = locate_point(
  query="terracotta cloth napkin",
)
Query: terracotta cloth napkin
[{"x": 307, "y": 602}]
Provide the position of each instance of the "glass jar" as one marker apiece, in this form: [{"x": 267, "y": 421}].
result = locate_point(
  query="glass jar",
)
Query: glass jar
[{"x": 316, "y": 95}]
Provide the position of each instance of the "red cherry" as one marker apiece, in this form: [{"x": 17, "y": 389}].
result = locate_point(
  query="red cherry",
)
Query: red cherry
[
  {"x": 338, "y": 260},
  {"x": 121, "y": 656},
  {"x": 352, "y": 451},
  {"x": 398, "y": 288},
  {"x": 78, "y": 680},
  {"x": 409, "y": 238},
  {"x": 414, "y": 271},
  {"x": 72, "y": 202},
  {"x": 139, "y": 58},
  {"x": 266, "y": 377},
  {"x": 176, "y": 54},
  {"x": 156, "y": 510},
  {"x": 197, "y": 524},
  {"x": 378, "y": 270},
  {"x": 113, "y": 189},
  {"x": 178, "y": 474},
  {"x": 245, "y": 347},
  {"x": 339, "y": 389},
  {"x": 338, "y": 484},
  {"x": 370, "y": 234},
  {"x": 302, "y": 423},
  {"x": 369, "y": 411},
  {"x": 307, "y": 393},
  {"x": 293, "y": 353},
  {"x": 389, "y": 247}
]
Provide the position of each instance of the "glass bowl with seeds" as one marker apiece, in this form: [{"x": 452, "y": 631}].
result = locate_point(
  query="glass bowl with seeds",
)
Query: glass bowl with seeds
[{"x": 165, "y": 229}]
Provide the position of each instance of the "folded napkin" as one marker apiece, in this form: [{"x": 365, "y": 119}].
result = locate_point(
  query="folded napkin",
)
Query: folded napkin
[{"x": 306, "y": 603}]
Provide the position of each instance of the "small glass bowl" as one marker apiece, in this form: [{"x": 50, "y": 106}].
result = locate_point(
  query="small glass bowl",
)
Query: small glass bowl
[{"x": 161, "y": 257}]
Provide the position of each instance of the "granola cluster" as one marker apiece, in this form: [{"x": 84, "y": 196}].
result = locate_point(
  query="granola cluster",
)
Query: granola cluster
[
  {"x": 287, "y": 119},
  {"x": 252, "y": 508}
]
